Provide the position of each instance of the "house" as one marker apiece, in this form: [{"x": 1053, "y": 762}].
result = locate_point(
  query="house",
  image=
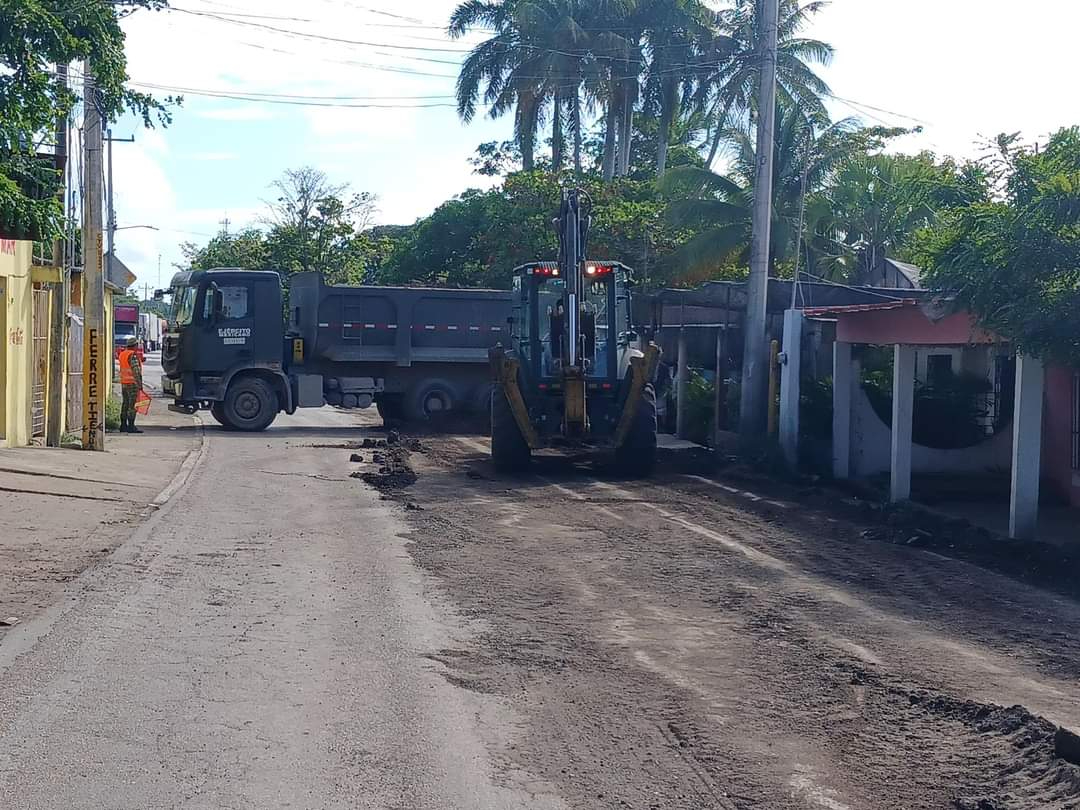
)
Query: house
[{"x": 1036, "y": 436}]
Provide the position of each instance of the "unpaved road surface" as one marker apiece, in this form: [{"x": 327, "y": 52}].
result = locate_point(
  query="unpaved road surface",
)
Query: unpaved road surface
[
  {"x": 687, "y": 643},
  {"x": 296, "y": 628}
]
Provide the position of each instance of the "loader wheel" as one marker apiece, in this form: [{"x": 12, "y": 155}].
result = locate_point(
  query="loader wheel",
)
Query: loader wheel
[
  {"x": 637, "y": 455},
  {"x": 250, "y": 405},
  {"x": 217, "y": 410},
  {"x": 510, "y": 452}
]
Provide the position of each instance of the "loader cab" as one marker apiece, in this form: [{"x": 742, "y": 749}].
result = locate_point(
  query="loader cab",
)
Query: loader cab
[
  {"x": 540, "y": 321},
  {"x": 221, "y": 321}
]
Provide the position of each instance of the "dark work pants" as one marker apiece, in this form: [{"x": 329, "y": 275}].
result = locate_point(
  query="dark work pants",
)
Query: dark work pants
[{"x": 127, "y": 408}]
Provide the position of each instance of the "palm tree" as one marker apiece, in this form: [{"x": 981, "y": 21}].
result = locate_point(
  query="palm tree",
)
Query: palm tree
[
  {"x": 730, "y": 64},
  {"x": 672, "y": 31},
  {"x": 809, "y": 151}
]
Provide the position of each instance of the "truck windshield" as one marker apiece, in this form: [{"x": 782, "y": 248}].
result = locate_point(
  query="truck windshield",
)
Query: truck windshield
[{"x": 183, "y": 307}]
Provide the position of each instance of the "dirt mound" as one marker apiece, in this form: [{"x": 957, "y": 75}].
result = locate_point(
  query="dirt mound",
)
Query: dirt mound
[{"x": 391, "y": 459}]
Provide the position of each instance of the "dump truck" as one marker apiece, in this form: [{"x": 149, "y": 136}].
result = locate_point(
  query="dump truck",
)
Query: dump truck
[
  {"x": 125, "y": 325},
  {"x": 150, "y": 328},
  {"x": 238, "y": 346},
  {"x": 574, "y": 372}
]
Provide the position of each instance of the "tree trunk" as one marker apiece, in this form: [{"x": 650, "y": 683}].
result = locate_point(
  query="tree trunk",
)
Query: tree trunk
[
  {"x": 629, "y": 100},
  {"x": 721, "y": 126},
  {"x": 527, "y": 111},
  {"x": 576, "y": 112},
  {"x": 557, "y": 133},
  {"x": 668, "y": 101},
  {"x": 610, "y": 126}
]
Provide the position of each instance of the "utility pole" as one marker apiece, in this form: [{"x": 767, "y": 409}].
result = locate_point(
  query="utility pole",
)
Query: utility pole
[
  {"x": 755, "y": 373},
  {"x": 95, "y": 353},
  {"x": 58, "y": 321},
  {"x": 109, "y": 192}
]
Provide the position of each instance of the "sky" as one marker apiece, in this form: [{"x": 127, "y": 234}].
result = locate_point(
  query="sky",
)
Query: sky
[{"x": 965, "y": 70}]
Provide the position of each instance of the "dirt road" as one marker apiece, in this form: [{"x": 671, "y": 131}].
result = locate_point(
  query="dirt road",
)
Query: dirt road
[
  {"x": 686, "y": 643},
  {"x": 294, "y": 628}
]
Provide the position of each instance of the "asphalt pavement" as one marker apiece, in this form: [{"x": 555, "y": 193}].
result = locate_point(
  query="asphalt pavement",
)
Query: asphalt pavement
[{"x": 262, "y": 640}]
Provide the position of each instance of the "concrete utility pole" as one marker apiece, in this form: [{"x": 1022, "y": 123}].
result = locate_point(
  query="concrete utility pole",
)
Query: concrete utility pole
[
  {"x": 95, "y": 352},
  {"x": 58, "y": 318},
  {"x": 755, "y": 373},
  {"x": 109, "y": 195}
]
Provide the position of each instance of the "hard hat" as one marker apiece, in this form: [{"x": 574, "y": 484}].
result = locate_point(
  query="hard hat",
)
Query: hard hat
[{"x": 132, "y": 341}]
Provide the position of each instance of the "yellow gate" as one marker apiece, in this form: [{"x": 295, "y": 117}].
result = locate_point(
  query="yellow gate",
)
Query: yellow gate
[{"x": 40, "y": 326}]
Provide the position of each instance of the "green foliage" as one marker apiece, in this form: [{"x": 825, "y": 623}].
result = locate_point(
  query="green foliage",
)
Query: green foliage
[
  {"x": 477, "y": 239},
  {"x": 700, "y": 407},
  {"x": 663, "y": 60},
  {"x": 112, "y": 414},
  {"x": 35, "y": 36},
  {"x": 1014, "y": 261},
  {"x": 312, "y": 225}
]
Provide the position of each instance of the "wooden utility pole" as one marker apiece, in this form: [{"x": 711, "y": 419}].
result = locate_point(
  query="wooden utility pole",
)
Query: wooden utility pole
[
  {"x": 95, "y": 352},
  {"x": 58, "y": 337},
  {"x": 755, "y": 372}
]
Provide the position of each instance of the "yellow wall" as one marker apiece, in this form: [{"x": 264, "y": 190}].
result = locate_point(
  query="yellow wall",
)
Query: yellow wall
[
  {"x": 109, "y": 348},
  {"x": 15, "y": 258}
]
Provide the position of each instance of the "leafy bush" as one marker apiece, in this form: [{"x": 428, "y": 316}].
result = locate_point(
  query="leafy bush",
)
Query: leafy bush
[{"x": 112, "y": 414}]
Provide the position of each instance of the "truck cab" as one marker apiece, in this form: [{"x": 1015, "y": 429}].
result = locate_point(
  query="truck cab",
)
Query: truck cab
[{"x": 224, "y": 347}]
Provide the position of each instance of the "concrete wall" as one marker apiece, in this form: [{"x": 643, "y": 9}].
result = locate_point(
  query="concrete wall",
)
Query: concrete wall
[
  {"x": 871, "y": 441},
  {"x": 1057, "y": 434},
  {"x": 17, "y": 298}
]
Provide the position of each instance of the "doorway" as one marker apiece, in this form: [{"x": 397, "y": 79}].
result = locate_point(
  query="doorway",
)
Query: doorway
[{"x": 3, "y": 357}]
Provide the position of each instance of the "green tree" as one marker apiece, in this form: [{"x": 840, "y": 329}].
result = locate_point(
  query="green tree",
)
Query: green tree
[
  {"x": 247, "y": 250},
  {"x": 731, "y": 65},
  {"x": 35, "y": 37},
  {"x": 875, "y": 204},
  {"x": 1014, "y": 261}
]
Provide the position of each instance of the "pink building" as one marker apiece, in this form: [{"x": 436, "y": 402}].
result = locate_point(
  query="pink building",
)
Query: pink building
[{"x": 1041, "y": 449}]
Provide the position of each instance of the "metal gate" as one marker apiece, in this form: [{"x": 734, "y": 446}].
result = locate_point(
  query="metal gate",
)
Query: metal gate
[
  {"x": 74, "y": 377},
  {"x": 40, "y": 328}
]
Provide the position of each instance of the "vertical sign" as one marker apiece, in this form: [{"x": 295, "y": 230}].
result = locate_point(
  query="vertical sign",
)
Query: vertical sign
[{"x": 94, "y": 392}]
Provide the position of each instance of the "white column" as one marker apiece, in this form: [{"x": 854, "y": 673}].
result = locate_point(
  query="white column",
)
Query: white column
[
  {"x": 682, "y": 383},
  {"x": 1027, "y": 448},
  {"x": 902, "y": 411},
  {"x": 843, "y": 379},
  {"x": 790, "y": 376}
]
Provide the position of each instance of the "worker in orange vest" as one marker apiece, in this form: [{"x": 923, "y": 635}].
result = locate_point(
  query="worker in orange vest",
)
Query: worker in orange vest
[{"x": 130, "y": 384}]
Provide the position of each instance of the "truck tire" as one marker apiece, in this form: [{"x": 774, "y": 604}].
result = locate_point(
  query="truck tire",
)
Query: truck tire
[
  {"x": 391, "y": 410},
  {"x": 637, "y": 455},
  {"x": 217, "y": 410},
  {"x": 510, "y": 452},
  {"x": 430, "y": 400},
  {"x": 250, "y": 405}
]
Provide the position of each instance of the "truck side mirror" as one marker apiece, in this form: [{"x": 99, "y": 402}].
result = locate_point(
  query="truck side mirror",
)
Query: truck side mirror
[
  {"x": 159, "y": 295},
  {"x": 217, "y": 302}
]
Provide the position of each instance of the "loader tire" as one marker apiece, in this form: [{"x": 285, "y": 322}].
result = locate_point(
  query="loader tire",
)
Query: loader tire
[
  {"x": 637, "y": 455},
  {"x": 510, "y": 452}
]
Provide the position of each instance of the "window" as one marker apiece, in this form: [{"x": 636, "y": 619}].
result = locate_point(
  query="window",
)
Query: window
[
  {"x": 938, "y": 369},
  {"x": 183, "y": 307},
  {"x": 234, "y": 303},
  {"x": 1076, "y": 422}
]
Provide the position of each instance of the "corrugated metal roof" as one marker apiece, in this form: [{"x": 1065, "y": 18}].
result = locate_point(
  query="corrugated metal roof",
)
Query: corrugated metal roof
[{"x": 883, "y": 306}]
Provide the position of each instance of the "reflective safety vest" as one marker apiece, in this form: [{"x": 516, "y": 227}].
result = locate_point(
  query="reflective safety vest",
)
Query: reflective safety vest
[{"x": 127, "y": 375}]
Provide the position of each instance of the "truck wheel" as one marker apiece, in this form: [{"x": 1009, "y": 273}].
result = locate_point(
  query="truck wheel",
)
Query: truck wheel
[
  {"x": 510, "y": 452},
  {"x": 430, "y": 400},
  {"x": 250, "y": 405},
  {"x": 217, "y": 410},
  {"x": 390, "y": 408},
  {"x": 637, "y": 454}
]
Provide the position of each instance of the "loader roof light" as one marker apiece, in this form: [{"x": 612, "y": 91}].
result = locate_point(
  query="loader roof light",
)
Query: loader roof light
[{"x": 593, "y": 269}]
